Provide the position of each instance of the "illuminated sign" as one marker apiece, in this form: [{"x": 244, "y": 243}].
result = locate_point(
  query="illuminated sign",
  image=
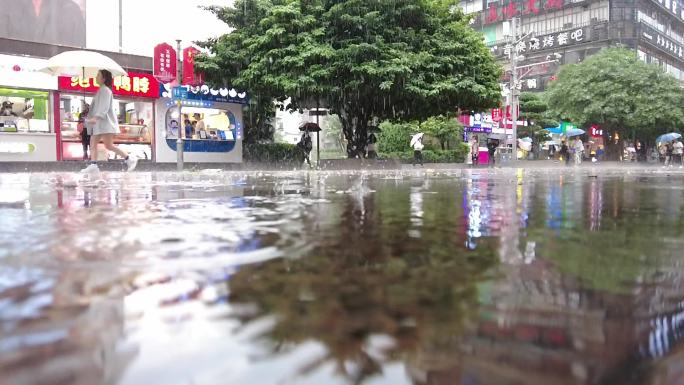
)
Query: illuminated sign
[
  {"x": 204, "y": 93},
  {"x": 165, "y": 62},
  {"x": 134, "y": 84},
  {"x": 506, "y": 11},
  {"x": 17, "y": 147}
]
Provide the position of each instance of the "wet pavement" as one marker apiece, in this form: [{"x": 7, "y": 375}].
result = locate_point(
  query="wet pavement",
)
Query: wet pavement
[{"x": 464, "y": 277}]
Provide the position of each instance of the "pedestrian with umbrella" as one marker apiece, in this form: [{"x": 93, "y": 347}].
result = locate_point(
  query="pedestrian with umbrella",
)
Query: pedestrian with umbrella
[
  {"x": 417, "y": 145},
  {"x": 103, "y": 124},
  {"x": 666, "y": 148},
  {"x": 305, "y": 143}
]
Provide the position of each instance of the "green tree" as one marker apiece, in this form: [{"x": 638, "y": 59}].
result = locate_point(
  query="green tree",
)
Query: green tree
[
  {"x": 367, "y": 61},
  {"x": 535, "y": 110},
  {"x": 445, "y": 129},
  {"x": 231, "y": 55},
  {"x": 619, "y": 92},
  {"x": 396, "y": 137}
]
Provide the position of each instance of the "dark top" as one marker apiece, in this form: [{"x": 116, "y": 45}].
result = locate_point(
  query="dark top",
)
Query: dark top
[{"x": 59, "y": 22}]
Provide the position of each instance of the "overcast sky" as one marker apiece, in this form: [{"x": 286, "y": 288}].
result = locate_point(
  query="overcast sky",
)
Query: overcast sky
[{"x": 149, "y": 22}]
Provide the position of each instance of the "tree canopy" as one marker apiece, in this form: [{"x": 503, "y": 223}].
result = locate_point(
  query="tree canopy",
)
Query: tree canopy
[
  {"x": 535, "y": 110},
  {"x": 619, "y": 92},
  {"x": 367, "y": 61}
]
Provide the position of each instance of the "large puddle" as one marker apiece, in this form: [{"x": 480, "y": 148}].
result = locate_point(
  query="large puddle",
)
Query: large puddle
[{"x": 491, "y": 277}]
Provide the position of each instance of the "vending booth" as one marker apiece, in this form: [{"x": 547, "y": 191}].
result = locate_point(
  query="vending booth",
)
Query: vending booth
[{"x": 209, "y": 120}]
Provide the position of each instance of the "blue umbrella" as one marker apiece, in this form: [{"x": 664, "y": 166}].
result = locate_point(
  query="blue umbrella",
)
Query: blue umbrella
[
  {"x": 668, "y": 137},
  {"x": 554, "y": 130},
  {"x": 574, "y": 132}
]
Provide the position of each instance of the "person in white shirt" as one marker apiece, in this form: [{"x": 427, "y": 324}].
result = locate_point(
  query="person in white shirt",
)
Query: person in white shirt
[
  {"x": 103, "y": 124},
  {"x": 418, "y": 151},
  {"x": 579, "y": 151}
]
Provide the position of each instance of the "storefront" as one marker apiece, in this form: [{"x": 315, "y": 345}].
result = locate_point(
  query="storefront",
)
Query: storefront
[
  {"x": 134, "y": 97},
  {"x": 209, "y": 120},
  {"x": 26, "y": 110}
]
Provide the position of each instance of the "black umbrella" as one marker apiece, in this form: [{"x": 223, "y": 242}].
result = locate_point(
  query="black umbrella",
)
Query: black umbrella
[{"x": 310, "y": 127}]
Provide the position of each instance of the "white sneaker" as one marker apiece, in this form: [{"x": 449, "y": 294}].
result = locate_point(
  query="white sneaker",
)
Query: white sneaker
[
  {"x": 131, "y": 162},
  {"x": 91, "y": 169}
]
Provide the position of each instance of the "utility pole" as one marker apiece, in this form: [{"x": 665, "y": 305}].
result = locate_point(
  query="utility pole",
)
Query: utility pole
[
  {"x": 514, "y": 87},
  {"x": 181, "y": 129},
  {"x": 120, "y": 26}
]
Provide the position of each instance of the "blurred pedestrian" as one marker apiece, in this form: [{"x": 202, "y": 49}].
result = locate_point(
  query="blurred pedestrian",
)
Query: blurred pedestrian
[
  {"x": 83, "y": 130},
  {"x": 564, "y": 152},
  {"x": 188, "y": 128},
  {"x": 103, "y": 125},
  {"x": 662, "y": 152},
  {"x": 475, "y": 150},
  {"x": 417, "y": 144},
  {"x": 306, "y": 145},
  {"x": 372, "y": 153},
  {"x": 678, "y": 150},
  {"x": 669, "y": 155},
  {"x": 579, "y": 151},
  {"x": 492, "y": 145}
]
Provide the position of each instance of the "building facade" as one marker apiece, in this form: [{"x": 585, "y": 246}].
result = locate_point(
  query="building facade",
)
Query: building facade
[{"x": 570, "y": 30}]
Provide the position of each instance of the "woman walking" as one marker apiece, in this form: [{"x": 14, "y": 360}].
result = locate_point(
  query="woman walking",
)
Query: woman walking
[{"x": 103, "y": 124}]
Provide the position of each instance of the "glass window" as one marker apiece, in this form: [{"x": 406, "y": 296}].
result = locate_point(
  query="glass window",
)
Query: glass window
[
  {"x": 135, "y": 126},
  {"x": 201, "y": 124},
  {"x": 24, "y": 110}
]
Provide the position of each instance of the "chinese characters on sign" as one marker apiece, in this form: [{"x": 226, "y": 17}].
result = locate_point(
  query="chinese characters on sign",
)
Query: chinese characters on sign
[
  {"x": 595, "y": 131},
  {"x": 556, "y": 40},
  {"x": 522, "y": 7},
  {"x": 189, "y": 75},
  {"x": 662, "y": 42},
  {"x": 133, "y": 84},
  {"x": 165, "y": 62}
]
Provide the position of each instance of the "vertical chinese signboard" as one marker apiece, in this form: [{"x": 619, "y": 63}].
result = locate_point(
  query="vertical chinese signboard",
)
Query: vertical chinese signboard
[
  {"x": 189, "y": 75},
  {"x": 165, "y": 63}
]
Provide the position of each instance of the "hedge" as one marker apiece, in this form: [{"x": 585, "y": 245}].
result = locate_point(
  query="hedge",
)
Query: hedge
[
  {"x": 431, "y": 156},
  {"x": 272, "y": 153}
]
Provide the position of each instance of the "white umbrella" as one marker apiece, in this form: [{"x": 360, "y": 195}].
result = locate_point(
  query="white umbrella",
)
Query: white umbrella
[
  {"x": 81, "y": 63},
  {"x": 416, "y": 138}
]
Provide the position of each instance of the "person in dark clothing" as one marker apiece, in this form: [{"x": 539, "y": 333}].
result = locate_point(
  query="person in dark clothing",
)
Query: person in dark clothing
[
  {"x": 306, "y": 145},
  {"x": 47, "y": 21},
  {"x": 565, "y": 153},
  {"x": 189, "y": 129},
  {"x": 85, "y": 138},
  {"x": 492, "y": 145}
]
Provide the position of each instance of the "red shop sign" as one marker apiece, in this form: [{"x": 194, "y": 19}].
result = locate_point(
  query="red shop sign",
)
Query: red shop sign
[
  {"x": 134, "y": 84},
  {"x": 596, "y": 131},
  {"x": 165, "y": 63},
  {"x": 189, "y": 75}
]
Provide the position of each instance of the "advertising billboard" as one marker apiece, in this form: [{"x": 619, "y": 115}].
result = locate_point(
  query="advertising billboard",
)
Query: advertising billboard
[{"x": 60, "y": 22}]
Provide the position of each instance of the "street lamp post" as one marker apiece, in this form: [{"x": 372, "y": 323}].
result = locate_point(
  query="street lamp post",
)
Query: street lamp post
[
  {"x": 513, "y": 87},
  {"x": 179, "y": 139}
]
